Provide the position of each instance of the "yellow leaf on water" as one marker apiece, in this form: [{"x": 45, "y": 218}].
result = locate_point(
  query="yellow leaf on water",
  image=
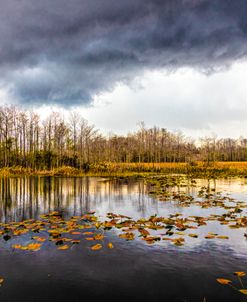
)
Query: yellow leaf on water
[
  {"x": 223, "y": 281},
  {"x": 63, "y": 247},
  {"x": 193, "y": 235},
  {"x": 39, "y": 239},
  {"x": 222, "y": 237},
  {"x": 76, "y": 233},
  {"x": 96, "y": 247},
  {"x": 97, "y": 225},
  {"x": 243, "y": 291},
  {"x": 144, "y": 232},
  {"x": 127, "y": 236},
  {"x": 234, "y": 226},
  {"x": 240, "y": 274},
  {"x": 1, "y": 280},
  {"x": 209, "y": 237},
  {"x": 89, "y": 238},
  {"x": 87, "y": 233},
  {"x": 19, "y": 232},
  {"x": 151, "y": 239},
  {"x": 99, "y": 237},
  {"x": 110, "y": 245},
  {"x": 178, "y": 241},
  {"x": 16, "y": 246},
  {"x": 66, "y": 239},
  {"x": 33, "y": 247},
  {"x": 180, "y": 233}
]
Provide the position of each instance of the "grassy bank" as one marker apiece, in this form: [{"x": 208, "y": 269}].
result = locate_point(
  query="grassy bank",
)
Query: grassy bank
[{"x": 196, "y": 169}]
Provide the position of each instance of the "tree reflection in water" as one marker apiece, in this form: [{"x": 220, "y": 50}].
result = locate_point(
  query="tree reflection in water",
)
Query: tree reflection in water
[{"x": 27, "y": 197}]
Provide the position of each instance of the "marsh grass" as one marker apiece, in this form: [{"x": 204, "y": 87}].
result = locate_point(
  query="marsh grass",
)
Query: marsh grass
[{"x": 108, "y": 169}]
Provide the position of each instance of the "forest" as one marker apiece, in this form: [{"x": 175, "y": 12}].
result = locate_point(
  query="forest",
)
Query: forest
[{"x": 28, "y": 141}]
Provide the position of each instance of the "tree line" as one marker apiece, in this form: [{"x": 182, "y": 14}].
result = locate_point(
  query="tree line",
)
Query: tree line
[{"x": 27, "y": 140}]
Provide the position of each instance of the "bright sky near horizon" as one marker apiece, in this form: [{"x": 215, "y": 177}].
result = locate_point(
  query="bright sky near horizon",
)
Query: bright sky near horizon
[{"x": 191, "y": 101}]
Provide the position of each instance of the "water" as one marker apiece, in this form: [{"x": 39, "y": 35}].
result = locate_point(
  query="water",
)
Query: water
[{"x": 132, "y": 269}]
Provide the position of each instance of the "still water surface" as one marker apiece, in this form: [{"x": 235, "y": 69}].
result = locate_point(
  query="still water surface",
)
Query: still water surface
[{"x": 133, "y": 269}]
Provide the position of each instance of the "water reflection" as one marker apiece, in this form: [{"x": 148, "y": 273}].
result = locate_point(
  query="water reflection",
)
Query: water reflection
[
  {"x": 184, "y": 273},
  {"x": 28, "y": 197}
]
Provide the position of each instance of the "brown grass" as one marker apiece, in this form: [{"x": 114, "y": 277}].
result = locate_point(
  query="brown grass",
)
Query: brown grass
[{"x": 195, "y": 169}]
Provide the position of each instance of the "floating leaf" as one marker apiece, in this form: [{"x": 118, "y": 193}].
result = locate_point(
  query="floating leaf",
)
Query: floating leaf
[
  {"x": 33, "y": 246},
  {"x": 110, "y": 245},
  {"x": 180, "y": 233},
  {"x": 63, "y": 247},
  {"x": 54, "y": 234},
  {"x": 99, "y": 237},
  {"x": 223, "y": 281},
  {"x": 127, "y": 236},
  {"x": 222, "y": 237},
  {"x": 89, "y": 238},
  {"x": 243, "y": 291},
  {"x": 96, "y": 247},
  {"x": 193, "y": 235},
  {"x": 66, "y": 239},
  {"x": 143, "y": 232},
  {"x": 19, "y": 232},
  {"x": 16, "y": 246},
  {"x": 240, "y": 274},
  {"x": 234, "y": 226},
  {"x": 39, "y": 239},
  {"x": 178, "y": 241},
  {"x": 97, "y": 225},
  {"x": 75, "y": 241},
  {"x": 151, "y": 239},
  {"x": 88, "y": 233}
]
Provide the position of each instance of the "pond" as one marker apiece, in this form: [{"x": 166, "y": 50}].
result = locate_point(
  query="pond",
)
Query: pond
[{"x": 132, "y": 269}]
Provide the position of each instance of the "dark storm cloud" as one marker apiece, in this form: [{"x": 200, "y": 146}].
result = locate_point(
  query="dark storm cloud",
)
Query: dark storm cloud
[{"x": 65, "y": 52}]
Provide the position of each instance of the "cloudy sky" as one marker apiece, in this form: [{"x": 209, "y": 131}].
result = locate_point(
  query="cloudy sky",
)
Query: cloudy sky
[{"x": 178, "y": 64}]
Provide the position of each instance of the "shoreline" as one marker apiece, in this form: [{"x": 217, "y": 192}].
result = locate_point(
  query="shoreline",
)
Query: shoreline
[{"x": 193, "y": 170}]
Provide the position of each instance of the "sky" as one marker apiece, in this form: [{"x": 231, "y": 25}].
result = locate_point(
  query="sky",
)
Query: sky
[{"x": 177, "y": 64}]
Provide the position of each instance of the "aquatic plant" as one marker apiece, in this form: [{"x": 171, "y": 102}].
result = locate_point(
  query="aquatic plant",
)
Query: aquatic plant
[{"x": 239, "y": 275}]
